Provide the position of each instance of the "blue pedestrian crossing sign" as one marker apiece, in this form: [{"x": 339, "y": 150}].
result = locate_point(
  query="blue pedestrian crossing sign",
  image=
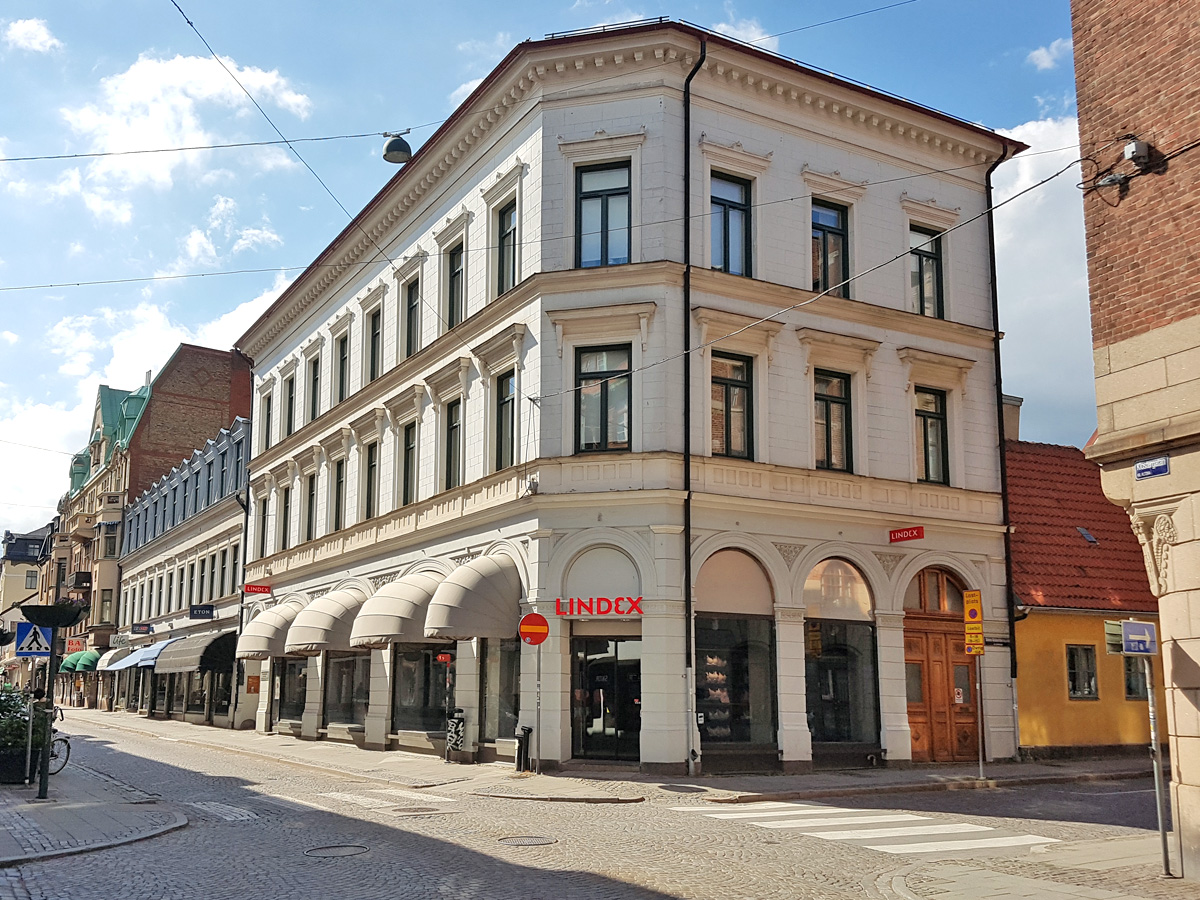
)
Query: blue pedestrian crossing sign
[
  {"x": 32, "y": 640},
  {"x": 1139, "y": 639}
]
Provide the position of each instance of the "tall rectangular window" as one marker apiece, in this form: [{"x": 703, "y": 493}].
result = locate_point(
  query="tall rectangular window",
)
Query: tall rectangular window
[
  {"x": 224, "y": 572},
  {"x": 453, "y": 444},
  {"x": 831, "y": 419},
  {"x": 314, "y": 388},
  {"x": 371, "y": 481},
  {"x": 106, "y": 605},
  {"x": 178, "y": 601},
  {"x": 266, "y": 422},
  {"x": 375, "y": 344},
  {"x": 196, "y": 495},
  {"x": 339, "y": 494},
  {"x": 933, "y": 464},
  {"x": 925, "y": 271},
  {"x": 200, "y": 593},
  {"x": 191, "y": 594},
  {"x": 343, "y": 367},
  {"x": 732, "y": 414},
  {"x": 408, "y": 487},
  {"x": 209, "y": 496},
  {"x": 289, "y": 406},
  {"x": 237, "y": 466},
  {"x": 1081, "y": 672},
  {"x": 506, "y": 261},
  {"x": 285, "y": 517},
  {"x": 31, "y": 580},
  {"x": 602, "y": 398},
  {"x": 310, "y": 508},
  {"x": 602, "y": 220},
  {"x": 830, "y": 259},
  {"x": 212, "y": 576},
  {"x": 224, "y": 471},
  {"x": 412, "y": 318},
  {"x": 506, "y": 408},
  {"x": 175, "y": 505},
  {"x": 730, "y": 206},
  {"x": 234, "y": 576},
  {"x": 170, "y": 590},
  {"x": 262, "y": 527},
  {"x": 158, "y": 603},
  {"x": 455, "y": 294}
]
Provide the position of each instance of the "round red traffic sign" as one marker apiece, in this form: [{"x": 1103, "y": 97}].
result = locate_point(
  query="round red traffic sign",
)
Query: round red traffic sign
[{"x": 533, "y": 628}]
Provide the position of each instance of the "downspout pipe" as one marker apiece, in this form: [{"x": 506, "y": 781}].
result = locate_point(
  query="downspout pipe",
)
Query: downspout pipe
[
  {"x": 1009, "y": 595},
  {"x": 688, "y": 649},
  {"x": 240, "y": 670}
]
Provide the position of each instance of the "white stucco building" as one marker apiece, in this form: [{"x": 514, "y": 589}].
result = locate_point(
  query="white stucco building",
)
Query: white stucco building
[{"x": 472, "y": 406}]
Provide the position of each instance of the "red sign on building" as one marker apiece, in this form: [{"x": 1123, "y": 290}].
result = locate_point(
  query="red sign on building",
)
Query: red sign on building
[
  {"x": 257, "y": 588},
  {"x": 915, "y": 533},
  {"x": 533, "y": 628},
  {"x": 76, "y": 645},
  {"x": 598, "y": 606}
]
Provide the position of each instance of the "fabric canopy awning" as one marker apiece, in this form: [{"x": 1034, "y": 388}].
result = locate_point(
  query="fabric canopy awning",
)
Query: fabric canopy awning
[
  {"x": 264, "y": 635},
  {"x": 68, "y": 661},
  {"x": 325, "y": 623},
  {"x": 395, "y": 612},
  {"x": 87, "y": 661},
  {"x": 116, "y": 654},
  {"x": 200, "y": 651},
  {"x": 143, "y": 656},
  {"x": 481, "y": 598},
  {"x": 129, "y": 661}
]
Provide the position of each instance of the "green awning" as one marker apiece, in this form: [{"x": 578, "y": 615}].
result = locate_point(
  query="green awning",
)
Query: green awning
[
  {"x": 87, "y": 662},
  {"x": 68, "y": 663}
]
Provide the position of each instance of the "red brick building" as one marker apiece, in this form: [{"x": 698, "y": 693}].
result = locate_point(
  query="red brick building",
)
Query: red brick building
[{"x": 1137, "y": 68}]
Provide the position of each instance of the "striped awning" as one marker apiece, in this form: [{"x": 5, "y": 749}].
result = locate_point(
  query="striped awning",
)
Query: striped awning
[
  {"x": 325, "y": 623},
  {"x": 116, "y": 654},
  {"x": 87, "y": 662},
  {"x": 264, "y": 635},
  {"x": 200, "y": 651},
  {"x": 396, "y": 612},
  {"x": 68, "y": 662},
  {"x": 481, "y": 598}
]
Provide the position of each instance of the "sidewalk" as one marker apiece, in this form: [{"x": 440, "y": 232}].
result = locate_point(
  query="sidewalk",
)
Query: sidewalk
[
  {"x": 86, "y": 810},
  {"x": 604, "y": 785}
]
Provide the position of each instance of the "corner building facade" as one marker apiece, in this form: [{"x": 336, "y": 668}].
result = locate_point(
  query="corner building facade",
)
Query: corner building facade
[{"x": 491, "y": 421}]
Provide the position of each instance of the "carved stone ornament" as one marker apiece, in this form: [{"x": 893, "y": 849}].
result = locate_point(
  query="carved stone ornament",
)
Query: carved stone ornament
[
  {"x": 790, "y": 552},
  {"x": 1156, "y": 541},
  {"x": 379, "y": 581},
  {"x": 889, "y": 561},
  {"x": 465, "y": 558}
]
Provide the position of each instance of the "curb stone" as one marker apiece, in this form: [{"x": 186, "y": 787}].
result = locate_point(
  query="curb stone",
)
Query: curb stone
[{"x": 180, "y": 821}]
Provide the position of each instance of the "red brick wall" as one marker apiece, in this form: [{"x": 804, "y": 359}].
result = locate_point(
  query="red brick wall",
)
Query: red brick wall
[
  {"x": 1137, "y": 71},
  {"x": 198, "y": 392}
]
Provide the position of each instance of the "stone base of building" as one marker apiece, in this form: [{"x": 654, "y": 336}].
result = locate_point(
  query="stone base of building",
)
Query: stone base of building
[
  {"x": 797, "y": 767},
  {"x": 671, "y": 769},
  {"x": 1102, "y": 751}
]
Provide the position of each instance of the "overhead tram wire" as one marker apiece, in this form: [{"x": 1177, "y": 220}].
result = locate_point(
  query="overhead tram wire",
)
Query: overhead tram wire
[
  {"x": 478, "y": 248},
  {"x": 107, "y": 153}
]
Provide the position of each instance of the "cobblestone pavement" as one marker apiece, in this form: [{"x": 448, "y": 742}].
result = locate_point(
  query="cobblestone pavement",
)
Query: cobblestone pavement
[{"x": 256, "y": 823}]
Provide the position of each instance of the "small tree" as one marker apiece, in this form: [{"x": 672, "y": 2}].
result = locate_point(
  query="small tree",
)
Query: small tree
[{"x": 14, "y": 721}]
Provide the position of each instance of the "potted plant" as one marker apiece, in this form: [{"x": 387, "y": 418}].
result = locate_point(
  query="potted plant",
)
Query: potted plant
[
  {"x": 61, "y": 614},
  {"x": 14, "y": 735}
]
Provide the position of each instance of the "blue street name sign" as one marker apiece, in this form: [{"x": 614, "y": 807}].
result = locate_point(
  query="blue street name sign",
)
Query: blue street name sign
[
  {"x": 1151, "y": 468},
  {"x": 32, "y": 640},
  {"x": 203, "y": 611},
  {"x": 1139, "y": 639}
]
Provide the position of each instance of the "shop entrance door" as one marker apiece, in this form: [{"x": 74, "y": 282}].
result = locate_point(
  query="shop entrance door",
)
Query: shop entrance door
[
  {"x": 940, "y": 682},
  {"x": 606, "y": 698}
]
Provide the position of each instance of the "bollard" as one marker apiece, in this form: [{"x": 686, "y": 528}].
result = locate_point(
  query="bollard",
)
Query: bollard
[{"x": 522, "y": 734}]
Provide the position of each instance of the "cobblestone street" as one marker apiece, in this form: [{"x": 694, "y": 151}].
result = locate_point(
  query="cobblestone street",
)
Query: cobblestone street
[{"x": 256, "y": 827}]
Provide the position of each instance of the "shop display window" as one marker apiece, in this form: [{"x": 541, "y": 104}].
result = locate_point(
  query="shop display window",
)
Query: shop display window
[
  {"x": 499, "y": 688},
  {"x": 735, "y": 680},
  {"x": 291, "y": 688},
  {"x": 197, "y": 692},
  {"x": 420, "y": 688},
  {"x": 347, "y": 687}
]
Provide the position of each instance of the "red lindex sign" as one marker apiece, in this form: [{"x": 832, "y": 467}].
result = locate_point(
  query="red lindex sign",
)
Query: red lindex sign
[
  {"x": 598, "y": 606},
  {"x": 915, "y": 533}
]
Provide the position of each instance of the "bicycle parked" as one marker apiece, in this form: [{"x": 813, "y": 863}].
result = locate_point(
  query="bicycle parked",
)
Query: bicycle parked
[{"x": 60, "y": 745}]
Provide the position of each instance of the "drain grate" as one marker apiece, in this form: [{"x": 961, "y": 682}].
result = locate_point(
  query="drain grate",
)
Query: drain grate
[
  {"x": 527, "y": 841},
  {"x": 337, "y": 850}
]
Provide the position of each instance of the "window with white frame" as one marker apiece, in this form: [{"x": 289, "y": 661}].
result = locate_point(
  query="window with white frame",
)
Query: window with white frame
[
  {"x": 453, "y": 438},
  {"x": 936, "y": 382},
  {"x": 732, "y": 405},
  {"x": 927, "y": 264},
  {"x": 729, "y": 208},
  {"x": 337, "y": 496},
  {"x": 453, "y": 249},
  {"x": 506, "y": 248},
  {"x": 602, "y": 215},
  {"x": 314, "y": 388},
  {"x": 506, "y": 408},
  {"x": 602, "y": 398},
  {"x": 408, "y": 464},
  {"x": 310, "y": 506},
  {"x": 370, "y": 480},
  {"x": 412, "y": 317},
  {"x": 932, "y": 436}
]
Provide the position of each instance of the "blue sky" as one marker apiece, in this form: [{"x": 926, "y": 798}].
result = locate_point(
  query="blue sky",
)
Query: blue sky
[{"x": 105, "y": 75}]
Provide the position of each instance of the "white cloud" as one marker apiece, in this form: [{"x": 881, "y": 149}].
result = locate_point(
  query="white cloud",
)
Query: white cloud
[
  {"x": 488, "y": 51},
  {"x": 72, "y": 338},
  {"x": 163, "y": 103},
  {"x": 1046, "y": 58},
  {"x": 220, "y": 217},
  {"x": 75, "y": 249},
  {"x": 1042, "y": 280},
  {"x": 32, "y": 35},
  {"x": 253, "y": 238},
  {"x": 463, "y": 91},
  {"x": 224, "y": 330},
  {"x": 9, "y": 336},
  {"x": 748, "y": 30}
]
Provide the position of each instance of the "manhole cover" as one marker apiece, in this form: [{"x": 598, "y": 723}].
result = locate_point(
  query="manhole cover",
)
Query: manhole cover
[
  {"x": 527, "y": 841},
  {"x": 337, "y": 850}
]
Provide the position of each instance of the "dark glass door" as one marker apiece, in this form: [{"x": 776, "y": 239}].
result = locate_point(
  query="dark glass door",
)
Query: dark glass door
[{"x": 606, "y": 698}]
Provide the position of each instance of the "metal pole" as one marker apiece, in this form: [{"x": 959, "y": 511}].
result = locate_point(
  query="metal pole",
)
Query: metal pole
[
  {"x": 979, "y": 708},
  {"x": 537, "y": 724},
  {"x": 51, "y": 671},
  {"x": 1156, "y": 754},
  {"x": 29, "y": 742}
]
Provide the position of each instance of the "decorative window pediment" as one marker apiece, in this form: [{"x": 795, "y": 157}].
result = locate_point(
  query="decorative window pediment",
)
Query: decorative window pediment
[
  {"x": 602, "y": 321},
  {"x": 410, "y": 266},
  {"x": 373, "y": 298},
  {"x": 731, "y": 331},
  {"x": 450, "y": 380},
  {"x": 454, "y": 229},
  {"x": 734, "y": 157},
  {"x": 928, "y": 213},
  {"x": 505, "y": 183},
  {"x": 502, "y": 350},
  {"x": 934, "y": 369},
  {"x": 839, "y": 351},
  {"x": 833, "y": 185},
  {"x": 602, "y": 143},
  {"x": 406, "y": 405}
]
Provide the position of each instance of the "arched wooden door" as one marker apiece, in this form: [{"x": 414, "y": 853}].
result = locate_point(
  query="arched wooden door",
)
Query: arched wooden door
[{"x": 939, "y": 676}]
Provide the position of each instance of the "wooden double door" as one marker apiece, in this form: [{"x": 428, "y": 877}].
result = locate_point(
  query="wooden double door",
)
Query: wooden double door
[{"x": 942, "y": 691}]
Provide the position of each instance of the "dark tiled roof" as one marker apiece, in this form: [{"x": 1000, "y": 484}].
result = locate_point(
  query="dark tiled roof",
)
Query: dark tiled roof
[{"x": 1053, "y": 492}]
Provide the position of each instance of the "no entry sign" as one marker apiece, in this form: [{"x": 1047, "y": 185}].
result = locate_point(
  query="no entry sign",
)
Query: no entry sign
[{"x": 533, "y": 628}]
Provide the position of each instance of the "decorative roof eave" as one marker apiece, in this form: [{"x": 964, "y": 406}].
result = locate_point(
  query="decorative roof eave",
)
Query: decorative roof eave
[{"x": 532, "y": 64}]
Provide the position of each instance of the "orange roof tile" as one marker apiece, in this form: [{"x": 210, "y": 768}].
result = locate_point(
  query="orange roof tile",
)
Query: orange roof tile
[{"x": 1054, "y": 491}]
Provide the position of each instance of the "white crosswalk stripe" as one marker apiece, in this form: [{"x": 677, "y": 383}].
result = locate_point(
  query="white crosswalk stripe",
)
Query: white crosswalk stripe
[{"x": 903, "y": 831}]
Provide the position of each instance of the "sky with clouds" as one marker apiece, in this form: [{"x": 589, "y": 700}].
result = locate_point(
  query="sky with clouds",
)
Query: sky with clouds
[{"x": 120, "y": 75}]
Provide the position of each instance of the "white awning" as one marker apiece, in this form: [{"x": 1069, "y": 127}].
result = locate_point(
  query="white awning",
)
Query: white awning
[
  {"x": 264, "y": 635},
  {"x": 481, "y": 598},
  {"x": 114, "y": 655},
  {"x": 325, "y": 623},
  {"x": 396, "y": 612}
]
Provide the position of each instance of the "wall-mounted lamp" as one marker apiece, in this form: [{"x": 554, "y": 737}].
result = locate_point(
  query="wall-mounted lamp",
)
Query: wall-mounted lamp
[{"x": 396, "y": 150}]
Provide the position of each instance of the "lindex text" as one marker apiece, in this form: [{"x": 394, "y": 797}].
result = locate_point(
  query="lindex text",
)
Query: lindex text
[{"x": 598, "y": 606}]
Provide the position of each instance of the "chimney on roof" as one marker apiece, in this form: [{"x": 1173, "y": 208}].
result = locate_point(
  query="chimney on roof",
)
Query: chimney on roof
[
  {"x": 1012, "y": 417},
  {"x": 147, "y": 378}
]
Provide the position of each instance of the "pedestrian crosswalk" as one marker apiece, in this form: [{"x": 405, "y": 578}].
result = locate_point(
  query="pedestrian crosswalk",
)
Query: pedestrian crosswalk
[{"x": 875, "y": 829}]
